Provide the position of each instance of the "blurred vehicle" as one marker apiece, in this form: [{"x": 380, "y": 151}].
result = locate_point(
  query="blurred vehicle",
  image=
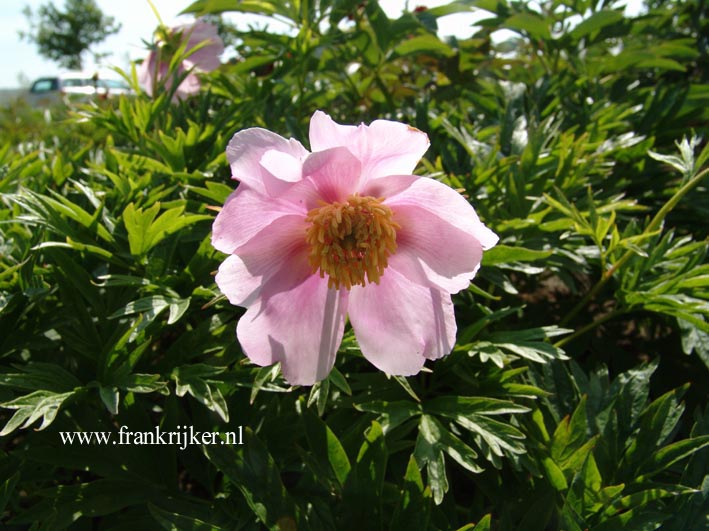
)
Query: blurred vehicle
[{"x": 76, "y": 87}]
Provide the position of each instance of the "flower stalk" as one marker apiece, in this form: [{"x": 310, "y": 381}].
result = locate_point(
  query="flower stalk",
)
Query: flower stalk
[{"x": 654, "y": 225}]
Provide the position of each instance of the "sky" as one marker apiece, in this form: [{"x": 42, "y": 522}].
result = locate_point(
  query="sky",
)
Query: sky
[{"x": 20, "y": 62}]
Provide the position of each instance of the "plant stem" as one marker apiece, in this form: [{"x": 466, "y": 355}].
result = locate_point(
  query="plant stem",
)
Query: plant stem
[
  {"x": 590, "y": 326},
  {"x": 652, "y": 226}
]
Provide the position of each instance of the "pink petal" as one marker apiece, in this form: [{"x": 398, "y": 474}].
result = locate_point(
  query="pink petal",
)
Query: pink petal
[
  {"x": 245, "y": 214},
  {"x": 325, "y": 133},
  {"x": 206, "y": 58},
  {"x": 334, "y": 174},
  {"x": 189, "y": 86},
  {"x": 448, "y": 256},
  {"x": 435, "y": 197},
  {"x": 383, "y": 147},
  {"x": 399, "y": 324},
  {"x": 250, "y": 153},
  {"x": 236, "y": 282},
  {"x": 301, "y": 328},
  {"x": 286, "y": 166},
  {"x": 275, "y": 258},
  {"x": 149, "y": 72}
]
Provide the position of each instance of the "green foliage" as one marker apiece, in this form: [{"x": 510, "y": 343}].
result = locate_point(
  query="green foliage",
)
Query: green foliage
[
  {"x": 575, "y": 397},
  {"x": 63, "y": 36}
]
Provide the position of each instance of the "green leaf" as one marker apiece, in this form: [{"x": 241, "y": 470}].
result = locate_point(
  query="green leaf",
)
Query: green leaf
[
  {"x": 495, "y": 437},
  {"x": 534, "y": 25},
  {"x": 151, "y": 307},
  {"x": 596, "y": 22},
  {"x": 414, "y": 507},
  {"x": 484, "y": 524},
  {"x": 140, "y": 383},
  {"x": 7, "y": 488},
  {"x": 423, "y": 44},
  {"x": 326, "y": 447},
  {"x": 584, "y": 495},
  {"x": 39, "y": 404},
  {"x": 380, "y": 23},
  {"x": 449, "y": 9},
  {"x": 404, "y": 383},
  {"x": 254, "y": 472},
  {"x": 110, "y": 397},
  {"x": 570, "y": 435},
  {"x": 694, "y": 340},
  {"x": 171, "y": 521},
  {"x": 191, "y": 379},
  {"x": 339, "y": 381},
  {"x": 365, "y": 483},
  {"x": 64, "y": 504},
  {"x": 146, "y": 230},
  {"x": 667, "y": 456},
  {"x": 391, "y": 414},
  {"x": 454, "y": 406},
  {"x": 264, "y": 376},
  {"x": 656, "y": 424},
  {"x": 207, "y": 7},
  {"x": 429, "y": 454},
  {"x": 554, "y": 474},
  {"x": 505, "y": 254},
  {"x": 37, "y": 375},
  {"x": 370, "y": 466},
  {"x": 318, "y": 395},
  {"x": 435, "y": 433},
  {"x": 137, "y": 223},
  {"x": 537, "y": 351}
]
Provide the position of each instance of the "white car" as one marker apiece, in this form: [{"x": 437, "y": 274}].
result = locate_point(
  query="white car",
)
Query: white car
[{"x": 76, "y": 86}]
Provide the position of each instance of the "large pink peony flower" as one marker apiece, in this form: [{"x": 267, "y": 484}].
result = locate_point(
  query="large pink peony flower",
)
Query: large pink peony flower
[
  {"x": 203, "y": 46},
  {"x": 343, "y": 231}
]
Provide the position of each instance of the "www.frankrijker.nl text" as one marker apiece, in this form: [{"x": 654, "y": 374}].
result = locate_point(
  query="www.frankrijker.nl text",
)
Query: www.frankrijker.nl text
[{"x": 181, "y": 437}]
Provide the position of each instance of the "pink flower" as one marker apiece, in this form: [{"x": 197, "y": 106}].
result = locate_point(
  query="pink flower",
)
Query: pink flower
[
  {"x": 202, "y": 50},
  {"x": 343, "y": 231}
]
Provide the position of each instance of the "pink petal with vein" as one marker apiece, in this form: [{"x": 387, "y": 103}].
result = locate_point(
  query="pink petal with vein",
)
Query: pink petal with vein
[
  {"x": 264, "y": 160},
  {"x": 245, "y": 214},
  {"x": 383, "y": 147},
  {"x": 276, "y": 258},
  {"x": 435, "y": 197},
  {"x": 399, "y": 324},
  {"x": 301, "y": 328},
  {"x": 334, "y": 174},
  {"x": 448, "y": 256}
]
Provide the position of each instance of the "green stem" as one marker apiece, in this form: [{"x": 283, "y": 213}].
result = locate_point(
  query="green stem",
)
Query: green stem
[
  {"x": 590, "y": 326},
  {"x": 652, "y": 227}
]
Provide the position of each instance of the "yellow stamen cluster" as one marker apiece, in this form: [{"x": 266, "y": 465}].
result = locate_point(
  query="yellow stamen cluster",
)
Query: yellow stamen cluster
[{"x": 351, "y": 240}]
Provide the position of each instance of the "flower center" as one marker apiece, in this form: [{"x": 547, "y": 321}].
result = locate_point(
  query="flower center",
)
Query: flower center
[{"x": 350, "y": 241}]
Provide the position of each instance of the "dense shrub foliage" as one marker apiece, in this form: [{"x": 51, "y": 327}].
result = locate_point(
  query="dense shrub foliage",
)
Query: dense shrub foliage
[{"x": 575, "y": 397}]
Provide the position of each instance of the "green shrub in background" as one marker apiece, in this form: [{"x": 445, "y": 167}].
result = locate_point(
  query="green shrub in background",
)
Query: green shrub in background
[{"x": 575, "y": 397}]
